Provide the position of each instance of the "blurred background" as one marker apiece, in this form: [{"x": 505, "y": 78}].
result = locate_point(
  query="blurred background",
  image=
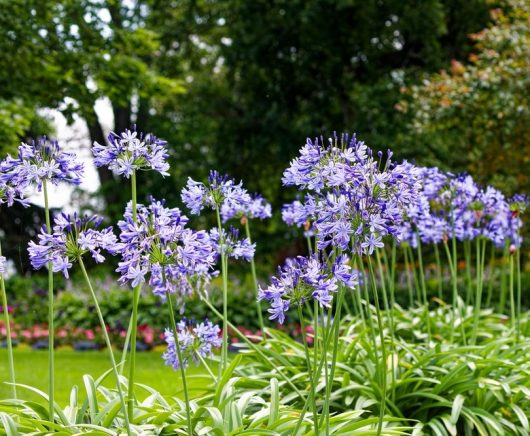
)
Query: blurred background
[{"x": 238, "y": 85}]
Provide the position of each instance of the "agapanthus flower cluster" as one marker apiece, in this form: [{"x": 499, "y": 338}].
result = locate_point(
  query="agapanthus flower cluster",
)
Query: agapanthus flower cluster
[
  {"x": 258, "y": 208},
  {"x": 38, "y": 161},
  {"x": 304, "y": 278},
  {"x": 3, "y": 262},
  {"x": 219, "y": 192},
  {"x": 450, "y": 205},
  {"x": 130, "y": 151},
  {"x": 159, "y": 248},
  {"x": 358, "y": 199},
  {"x": 194, "y": 341},
  {"x": 73, "y": 236},
  {"x": 234, "y": 247}
]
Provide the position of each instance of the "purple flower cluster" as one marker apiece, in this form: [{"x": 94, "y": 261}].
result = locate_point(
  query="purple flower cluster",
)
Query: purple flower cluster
[
  {"x": 73, "y": 236},
  {"x": 258, "y": 208},
  {"x": 2, "y": 265},
  {"x": 220, "y": 192},
  {"x": 356, "y": 199},
  {"x": 194, "y": 341},
  {"x": 131, "y": 151},
  {"x": 233, "y": 246},
  {"x": 158, "y": 245},
  {"x": 40, "y": 160},
  {"x": 450, "y": 205},
  {"x": 301, "y": 279}
]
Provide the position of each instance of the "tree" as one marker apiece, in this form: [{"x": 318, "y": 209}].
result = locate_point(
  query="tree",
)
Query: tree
[{"x": 476, "y": 115}]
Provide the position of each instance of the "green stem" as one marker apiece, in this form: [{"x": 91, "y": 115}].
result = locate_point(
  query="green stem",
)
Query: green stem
[
  {"x": 383, "y": 350},
  {"x": 390, "y": 322},
  {"x": 255, "y": 281},
  {"x": 10, "y": 359},
  {"x": 207, "y": 367},
  {"x": 439, "y": 271},
  {"x": 51, "y": 357},
  {"x": 409, "y": 277},
  {"x": 480, "y": 254},
  {"x": 512, "y": 298},
  {"x": 518, "y": 272},
  {"x": 309, "y": 369},
  {"x": 455, "y": 267},
  {"x": 224, "y": 273},
  {"x": 181, "y": 362},
  {"x": 469, "y": 281},
  {"x": 504, "y": 278},
  {"x": 107, "y": 342},
  {"x": 423, "y": 287},
  {"x": 134, "y": 315},
  {"x": 491, "y": 276}
]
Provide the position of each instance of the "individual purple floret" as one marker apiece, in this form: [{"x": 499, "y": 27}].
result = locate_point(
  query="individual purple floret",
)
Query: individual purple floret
[
  {"x": 220, "y": 191},
  {"x": 234, "y": 247},
  {"x": 40, "y": 160},
  {"x": 158, "y": 248},
  {"x": 258, "y": 208},
  {"x": 73, "y": 236},
  {"x": 304, "y": 278},
  {"x": 132, "y": 150},
  {"x": 194, "y": 341},
  {"x": 358, "y": 200}
]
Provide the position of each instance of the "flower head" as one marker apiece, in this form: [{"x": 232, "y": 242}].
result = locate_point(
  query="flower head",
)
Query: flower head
[
  {"x": 219, "y": 192},
  {"x": 132, "y": 150},
  {"x": 158, "y": 246},
  {"x": 233, "y": 246},
  {"x": 355, "y": 199},
  {"x": 303, "y": 278},
  {"x": 194, "y": 341},
  {"x": 257, "y": 207},
  {"x": 73, "y": 236},
  {"x": 40, "y": 160}
]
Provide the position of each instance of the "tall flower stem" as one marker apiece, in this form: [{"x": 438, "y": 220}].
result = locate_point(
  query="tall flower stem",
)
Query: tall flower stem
[
  {"x": 383, "y": 348},
  {"x": 390, "y": 322},
  {"x": 224, "y": 273},
  {"x": 469, "y": 281},
  {"x": 491, "y": 276},
  {"x": 439, "y": 271},
  {"x": 51, "y": 362},
  {"x": 518, "y": 278},
  {"x": 10, "y": 359},
  {"x": 513, "y": 315},
  {"x": 454, "y": 281},
  {"x": 108, "y": 344},
  {"x": 310, "y": 369},
  {"x": 255, "y": 282},
  {"x": 480, "y": 254},
  {"x": 134, "y": 314},
  {"x": 423, "y": 287},
  {"x": 504, "y": 278},
  {"x": 207, "y": 367},
  {"x": 409, "y": 277},
  {"x": 181, "y": 362}
]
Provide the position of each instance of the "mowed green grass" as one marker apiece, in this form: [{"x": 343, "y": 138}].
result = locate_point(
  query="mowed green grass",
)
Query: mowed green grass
[{"x": 32, "y": 369}]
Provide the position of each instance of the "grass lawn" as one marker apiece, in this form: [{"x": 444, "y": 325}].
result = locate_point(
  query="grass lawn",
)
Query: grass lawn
[{"x": 32, "y": 369}]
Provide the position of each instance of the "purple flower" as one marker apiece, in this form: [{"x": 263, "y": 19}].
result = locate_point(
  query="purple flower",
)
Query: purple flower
[
  {"x": 220, "y": 193},
  {"x": 131, "y": 150},
  {"x": 233, "y": 246},
  {"x": 194, "y": 341},
  {"x": 38, "y": 161},
  {"x": 355, "y": 198},
  {"x": 159, "y": 249},
  {"x": 73, "y": 236},
  {"x": 2, "y": 265},
  {"x": 257, "y": 207},
  {"x": 301, "y": 279}
]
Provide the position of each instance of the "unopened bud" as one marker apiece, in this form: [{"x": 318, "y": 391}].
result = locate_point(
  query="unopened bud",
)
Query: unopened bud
[
  {"x": 513, "y": 249},
  {"x": 244, "y": 220},
  {"x": 307, "y": 225}
]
